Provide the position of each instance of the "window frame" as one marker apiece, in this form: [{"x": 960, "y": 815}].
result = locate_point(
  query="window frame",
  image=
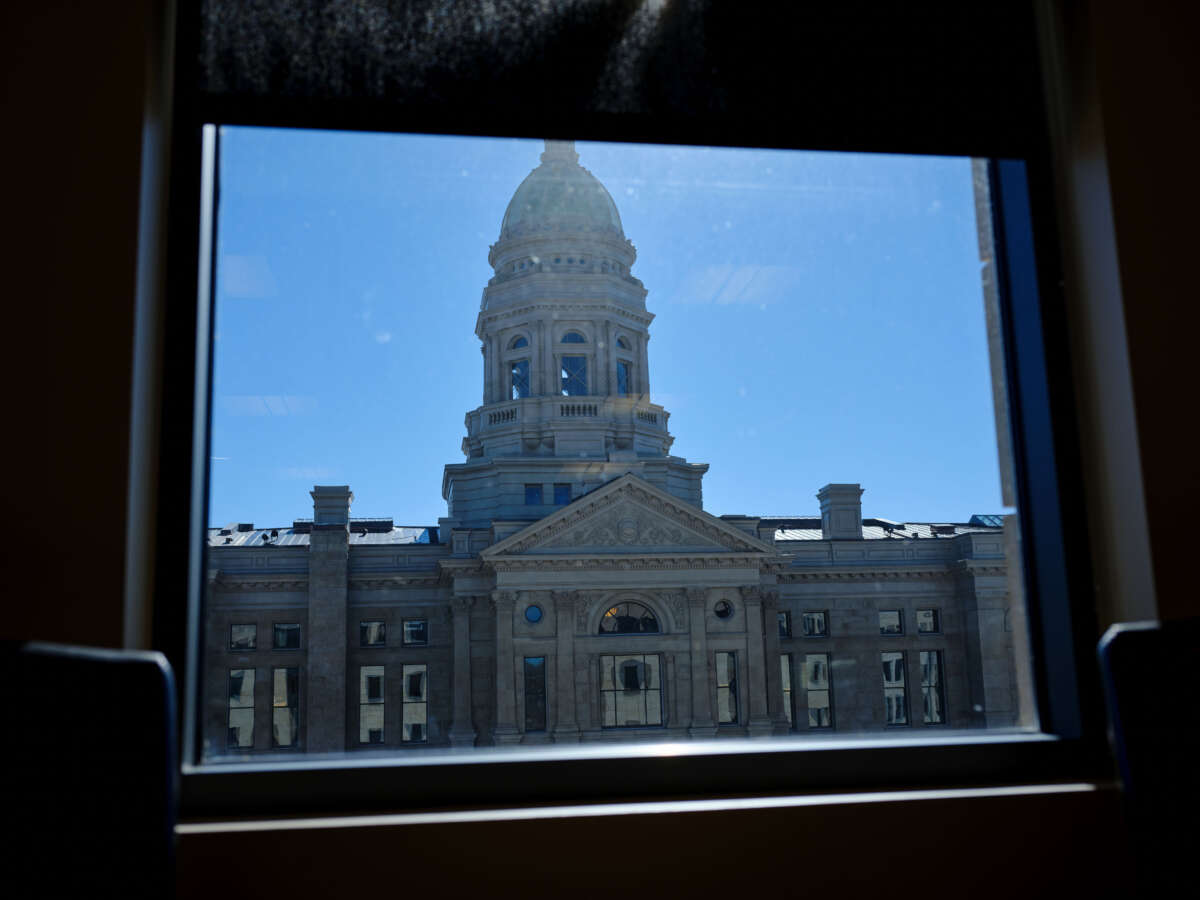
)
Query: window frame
[{"x": 1040, "y": 381}]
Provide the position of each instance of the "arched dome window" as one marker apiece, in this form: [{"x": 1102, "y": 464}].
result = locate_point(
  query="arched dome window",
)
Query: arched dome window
[
  {"x": 622, "y": 344},
  {"x": 629, "y": 618},
  {"x": 518, "y": 342},
  {"x": 574, "y": 337}
]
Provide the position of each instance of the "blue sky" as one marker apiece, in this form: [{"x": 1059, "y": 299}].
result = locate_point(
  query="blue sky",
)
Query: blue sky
[{"x": 819, "y": 319}]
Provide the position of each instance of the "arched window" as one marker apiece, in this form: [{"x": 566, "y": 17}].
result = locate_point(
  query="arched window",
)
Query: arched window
[
  {"x": 574, "y": 337},
  {"x": 518, "y": 343},
  {"x": 622, "y": 344},
  {"x": 629, "y": 618}
]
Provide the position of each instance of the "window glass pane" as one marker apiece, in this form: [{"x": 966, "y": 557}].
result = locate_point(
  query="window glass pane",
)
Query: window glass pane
[
  {"x": 287, "y": 636},
  {"x": 928, "y": 621},
  {"x": 717, "y": 255},
  {"x": 372, "y": 634},
  {"x": 243, "y": 637},
  {"x": 241, "y": 728}
]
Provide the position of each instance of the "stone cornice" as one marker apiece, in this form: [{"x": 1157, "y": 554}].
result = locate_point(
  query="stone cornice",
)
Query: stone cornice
[
  {"x": 857, "y": 574},
  {"x": 620, "y": 562},
  {"x": 237, "y": 583},
  {"x": 489, "y": 316},
  {"x": 387, "y": 582}
]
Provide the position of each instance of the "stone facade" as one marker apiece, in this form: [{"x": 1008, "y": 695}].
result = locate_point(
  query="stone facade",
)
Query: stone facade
[{"x": 576, "y": 589}]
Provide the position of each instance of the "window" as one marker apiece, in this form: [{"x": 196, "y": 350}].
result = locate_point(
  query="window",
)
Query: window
[
  {"x": 929, "y": 621},
  {"x": 415, "y": 698},
  {"x": 814, "y": 624},
  {"x": 574, "y": 376},
  {"x": 416, "y": 631},
  {"x": 243, "y": 637},
  {"x": 629, "y": 618},
  {"x": 533, "y": 495},
  {"x": 562, "y": 494},
  {"x": 372, "y": 633},
  {"x": 931, "y": 687},
  {"x": 518, "y": 342},
  {"x": 520, "y": 378},
  {"x": 623, "y": 378},
  {"x": 622, "y": 344},
  {"x": 784, "y": 621},
  {"x": 785, "y": 676},
  {"x": 818, "y": 690},
  {"x": 895, "y": 704},
  {"x": 727, "y": 691},
  {"x": 241, "y": 709},
  {"x": 286, "y": 636},
  {"x": 630, "y": 691},
  {"x": 285, "y": 707},
  {"x": 370, "y": 705},
  {"x": 891, "y": 621},
  {"x": 533, "y": 614},
  {"x": 573, "y": 337},
  {"x": 723, "y": 609},
  {"x": 535, "y": 693}
]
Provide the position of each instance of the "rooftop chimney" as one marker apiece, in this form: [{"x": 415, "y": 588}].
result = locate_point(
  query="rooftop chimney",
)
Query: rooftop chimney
[
  {"x": 841, "y": 511},
  {"x": 331, "y": 506}
]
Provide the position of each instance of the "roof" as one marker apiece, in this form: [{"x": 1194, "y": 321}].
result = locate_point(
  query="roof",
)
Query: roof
[
  {"x": 561, "y": 192},
  {"x": 798, "y": 529},
  {"x": 360, "y": 534}
]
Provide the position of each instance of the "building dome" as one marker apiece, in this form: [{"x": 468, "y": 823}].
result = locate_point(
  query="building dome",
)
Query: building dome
[{"x": 560, "y": 195}]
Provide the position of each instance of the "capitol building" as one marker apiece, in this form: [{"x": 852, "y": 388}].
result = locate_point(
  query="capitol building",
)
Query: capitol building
[{"x": 577, "y": 589}]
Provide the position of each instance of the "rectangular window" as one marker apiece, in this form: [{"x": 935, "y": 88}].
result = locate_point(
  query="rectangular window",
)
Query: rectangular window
[
  {"x": 370, "y": 705},
  {"x": 416, "y": 632},
  {"x": 818, "y": 690},
  {"x": 623, "y": 379},
  {"x": 243, "y": 637},
  {"x": 285, "y": 707},
  {"x": 630, "y": 691},
  {"x": 533, "y": 495},
  {"x": 785, "y": 624},
  {"x": 891, "y": 621},
  {"x": 574, "y": 376},
  {"x": 520, "y": 379},
  {"x": 535, "y": 693},
  {"x": 932, "y": 691},
  {"x": 895, "y": 703},
  {"x": 562, "y": 494},
  {"x": 415, "y": 700},
  {"x": 287, "y": 636},
  {"x": 372, "y": 634},
  {"x": 929, "y": 621},
  {"x": 814, "y": 624},
  {"x": 241, "y": 709},
  {"x": 727, "y": 689},
  {"x": 785, "y": 675}
]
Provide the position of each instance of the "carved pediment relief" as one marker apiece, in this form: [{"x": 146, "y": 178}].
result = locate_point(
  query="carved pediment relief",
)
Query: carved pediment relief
[{"x": 627, "y": 516}]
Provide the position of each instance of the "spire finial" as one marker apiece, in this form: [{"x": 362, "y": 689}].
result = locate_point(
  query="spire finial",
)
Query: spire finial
[{"x": 560, "y": 151}]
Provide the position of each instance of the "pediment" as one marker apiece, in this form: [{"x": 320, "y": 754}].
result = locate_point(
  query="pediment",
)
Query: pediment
[{"x": 627, "y": 516}]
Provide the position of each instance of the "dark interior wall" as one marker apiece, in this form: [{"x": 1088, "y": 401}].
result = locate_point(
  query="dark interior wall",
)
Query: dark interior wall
[
  {"x": 74, "y": 84},
  {"x": 73, "y": 104}
]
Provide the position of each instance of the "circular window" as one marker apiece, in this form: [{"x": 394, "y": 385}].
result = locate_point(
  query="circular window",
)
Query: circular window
[
  {"x": 533, "y": 614},
  {"x": 723, "y": 609}
]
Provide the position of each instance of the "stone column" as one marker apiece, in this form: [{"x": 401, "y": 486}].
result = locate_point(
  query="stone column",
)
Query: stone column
[
  {"x": 462, "y": 730},
  {"x": 328, "y": 573},
  {"x": 503, "y": 602},
  {"x": 566, "y": 724},
  {"x": 553, "y": 388},
  {"x": 775, "y": 710},
  {"x": 702, "y": 721},
  {"x": 645, "y": 364},
  {"x": 609, "y": 383},
  {"x": 537, "y": 362},
  {"x": 760, "y": 721}
]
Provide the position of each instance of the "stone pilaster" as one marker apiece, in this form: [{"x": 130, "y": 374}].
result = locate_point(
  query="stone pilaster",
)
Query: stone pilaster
[
  {"x": 760, "y": 720},
  {"x": 702, "y": 692},
  {"x": 462, "y": 729},
  {"x": 566, "y": 727},
  {"x": 775, "y": 710},
  {"x": 503, "y": 602},
  {"x": 328, "y": 566}
]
